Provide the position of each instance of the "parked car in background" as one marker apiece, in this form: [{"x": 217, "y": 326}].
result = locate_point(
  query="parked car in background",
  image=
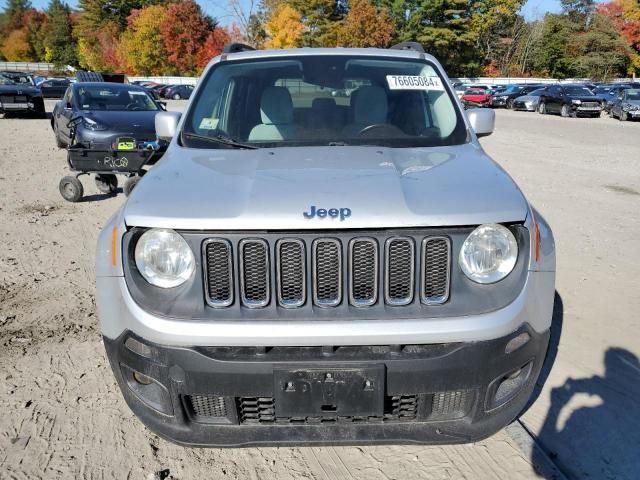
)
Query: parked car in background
[
  {"x": 528, "y": 102},
  {"x": 54, "y": 87},
  {"x": 179, "y": 92},
  {"x": 20, "y": 97},
  {"x": 476, "y": 97},
  {"x": 569, "y": 101},
  {"x": 627, "y": 105},
  {"x": 614, "y": 93},
  {"x": 505, "y": 98},
  {"x": 101, "y": 112}
]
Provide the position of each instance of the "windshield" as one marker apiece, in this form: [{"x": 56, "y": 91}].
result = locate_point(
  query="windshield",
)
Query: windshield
[
  {"x": 632, "y": 95},
  {"x": 6, "y": 81},
  {"x": 578, "y": 92},
  {"x": 323, "y": 100},
  {"x": 91, "y": 97},
  {"x": 536, "y": 93}
]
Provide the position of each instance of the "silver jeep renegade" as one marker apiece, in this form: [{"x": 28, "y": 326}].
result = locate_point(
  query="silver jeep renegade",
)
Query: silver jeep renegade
[{"x": 325, "y": 255}]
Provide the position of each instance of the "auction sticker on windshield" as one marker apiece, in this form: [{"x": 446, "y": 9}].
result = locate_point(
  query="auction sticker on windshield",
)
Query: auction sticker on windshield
[{"x": 414, "y": 82}]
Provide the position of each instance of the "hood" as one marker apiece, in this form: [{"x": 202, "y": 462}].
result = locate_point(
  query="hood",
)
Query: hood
[
  {"x": 267, "y": 189},
  {"x": 132, "y": 121},
  {"x": 19, "y": 90}
]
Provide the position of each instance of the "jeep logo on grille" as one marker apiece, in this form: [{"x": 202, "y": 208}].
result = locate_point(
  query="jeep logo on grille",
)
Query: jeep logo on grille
[{"x": 313, "y": 212}]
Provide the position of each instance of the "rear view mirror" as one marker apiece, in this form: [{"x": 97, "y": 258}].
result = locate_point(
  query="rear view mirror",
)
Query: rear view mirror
[
  {"x": 482, "y": 120},
  {"x": 167, "y": 125}
]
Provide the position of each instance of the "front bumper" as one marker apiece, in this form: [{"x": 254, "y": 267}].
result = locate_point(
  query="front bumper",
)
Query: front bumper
[
  {"x": 31, "y": 105},
  {"x": 233, "y": 396}
]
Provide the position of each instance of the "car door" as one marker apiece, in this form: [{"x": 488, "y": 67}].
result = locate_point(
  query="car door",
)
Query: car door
[
  {"x": 616, "y": 107},
  {"x": 59, "y": 88},
  {"x": 64, "y": 115},
  {"x": 554, "y": 104}
]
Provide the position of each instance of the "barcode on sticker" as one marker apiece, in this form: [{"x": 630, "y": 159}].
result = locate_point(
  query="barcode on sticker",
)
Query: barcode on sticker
[{"x": 414, "y": 82}]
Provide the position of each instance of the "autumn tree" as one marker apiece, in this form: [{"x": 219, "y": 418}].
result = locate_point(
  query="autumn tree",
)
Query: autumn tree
[
  {"x": 213, "y": 45},
  {"x": 365, "y": 26},
  {"x": 625, "y": 16},
  {"x": 101, "y": 24},
  {"x": 284, "y": 28},
  {"x": 15, "y": 48},
  {"x": 36, "y": 26},
  {"x": 142, "y": 46},
  {"x": 185, "y": 30}
]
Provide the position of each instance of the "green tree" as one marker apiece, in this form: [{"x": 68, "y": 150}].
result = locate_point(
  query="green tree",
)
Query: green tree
[
  {"x": 600, "y": 52},
  {"x": 60, "y": 47},
  {"x": 552, "y": 56}
]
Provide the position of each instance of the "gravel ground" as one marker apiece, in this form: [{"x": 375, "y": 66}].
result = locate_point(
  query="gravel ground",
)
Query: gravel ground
[{"x": 63, "y": 416}]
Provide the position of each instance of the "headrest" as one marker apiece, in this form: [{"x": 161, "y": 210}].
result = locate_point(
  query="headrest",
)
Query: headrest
[
  {"x": 276, "y": 107},
  {"x": 370, "y": 105},
  {"x": 323, "y": 104}
]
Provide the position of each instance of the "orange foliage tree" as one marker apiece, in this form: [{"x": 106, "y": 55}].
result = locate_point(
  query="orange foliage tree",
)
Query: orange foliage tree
[
  {"x": 185, "y": 30},
  {"x": 284, "y": 28},
  {"x": 15, "y": 48},
  {"x": 366, "y": 26}
]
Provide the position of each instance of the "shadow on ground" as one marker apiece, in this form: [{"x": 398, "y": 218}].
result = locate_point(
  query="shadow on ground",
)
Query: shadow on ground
[{"x": 592, "y": 428}]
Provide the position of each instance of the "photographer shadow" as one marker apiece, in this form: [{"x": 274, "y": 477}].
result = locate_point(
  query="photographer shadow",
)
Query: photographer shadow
[{"x": 592, "y": 428}]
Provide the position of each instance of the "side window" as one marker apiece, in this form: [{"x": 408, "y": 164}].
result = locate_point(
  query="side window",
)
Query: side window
[{"x": 68, "y": 96}]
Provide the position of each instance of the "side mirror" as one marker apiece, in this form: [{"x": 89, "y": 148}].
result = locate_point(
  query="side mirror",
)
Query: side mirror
[
  {"x": 163, "y": 105},
  {"x": 67, "y": 105},
  {"x": 167, "y": 125},
  {"x": 482, "y": 120}
]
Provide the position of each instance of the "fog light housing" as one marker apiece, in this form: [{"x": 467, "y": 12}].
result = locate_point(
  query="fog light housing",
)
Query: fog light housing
[
  {"x": 148, "y": 390},
  {"x": 505, "y": 388}
]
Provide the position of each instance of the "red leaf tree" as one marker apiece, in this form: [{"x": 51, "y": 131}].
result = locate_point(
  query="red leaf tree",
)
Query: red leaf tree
[{"x": 185, "y": 31}]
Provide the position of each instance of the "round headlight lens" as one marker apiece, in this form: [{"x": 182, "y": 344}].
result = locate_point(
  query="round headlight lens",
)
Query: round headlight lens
[
  {"x": 489, "y": 253},
  {"x": 164, "y": 258}
]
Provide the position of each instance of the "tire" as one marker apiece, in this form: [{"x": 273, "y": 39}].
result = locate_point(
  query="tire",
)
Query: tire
[
  {"x": 542, "y": 108},
  {"x": 130, "y": 184},
  {"x": 565, "y": 111},
  {"x": 624, "y": 116},
  {"x": 106, "y": 183},
  {"x": 510, "y": 104},
  {"x": 59, "y": 142},
  {"x": 71, "y": 189},
  {"x": 176, "y": 96}
]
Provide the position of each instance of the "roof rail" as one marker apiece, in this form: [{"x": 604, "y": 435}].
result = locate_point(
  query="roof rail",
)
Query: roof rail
[
  {"x": 236, "y": 47},
  {"x": 415, "y": 46}
]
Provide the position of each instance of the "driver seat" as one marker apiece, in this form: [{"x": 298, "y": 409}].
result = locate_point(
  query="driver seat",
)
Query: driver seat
[{"x": 370, "y": 107}]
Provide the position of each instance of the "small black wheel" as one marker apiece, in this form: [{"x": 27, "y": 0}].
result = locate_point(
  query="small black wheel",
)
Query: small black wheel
[
  {"x": 130, "y": 184},
  {"x": 106, "y": 183},
  {"x": 71, "y": 189}
]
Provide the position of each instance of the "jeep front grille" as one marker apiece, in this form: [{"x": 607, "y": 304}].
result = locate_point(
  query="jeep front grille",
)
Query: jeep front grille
[{"x": 327, "y": 272}]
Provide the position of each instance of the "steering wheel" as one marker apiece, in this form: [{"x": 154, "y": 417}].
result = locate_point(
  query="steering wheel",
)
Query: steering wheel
[
  {"x": 133, "y": 106},
  {"x": 380, "y": 126}
]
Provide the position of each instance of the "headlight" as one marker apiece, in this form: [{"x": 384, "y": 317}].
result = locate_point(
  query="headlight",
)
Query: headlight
[
  {"x": 92, "y": 124},
  {"x": 164, "y": 258},
  {"x": 488, "y": 254},
  {"x": 576, "y": 102}
]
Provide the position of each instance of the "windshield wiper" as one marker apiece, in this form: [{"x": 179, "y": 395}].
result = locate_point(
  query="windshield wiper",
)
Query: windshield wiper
[{"x": 220, "y": 139}]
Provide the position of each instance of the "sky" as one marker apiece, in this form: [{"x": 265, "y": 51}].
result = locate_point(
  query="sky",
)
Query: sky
[{"x": 533, "y": 8}]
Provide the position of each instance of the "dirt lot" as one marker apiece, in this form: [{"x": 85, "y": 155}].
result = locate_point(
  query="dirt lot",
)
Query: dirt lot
[{"x": 63, "y": 416}]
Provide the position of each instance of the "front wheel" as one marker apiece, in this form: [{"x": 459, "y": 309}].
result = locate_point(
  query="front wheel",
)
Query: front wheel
[
  {"x": 71, "y": 189},
  {"x": 177, "y": 96},
  {"x": 510, "y": 104},
  {"x": 542, "y": 109},
  {"x": 624, "y": 116},
  {"x": 130, "y": 184},
  {"x": 565, "y": 111}
]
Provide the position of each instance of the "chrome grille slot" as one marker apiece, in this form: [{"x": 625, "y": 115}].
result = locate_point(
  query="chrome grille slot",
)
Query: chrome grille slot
[
  {"x": 436, "y": 270},
  {"x": 291, "y": 274},
  {"x": 327, "y": 272},
  {"x": 363, "y": 279},
  {"x": 218, "y": 272},
  {"x": 254, "y": 272},
  {"x": 399, "y": 270}
]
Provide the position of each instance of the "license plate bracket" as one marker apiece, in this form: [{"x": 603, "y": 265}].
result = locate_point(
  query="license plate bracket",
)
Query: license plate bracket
[{"x": 329, "y": 392}]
